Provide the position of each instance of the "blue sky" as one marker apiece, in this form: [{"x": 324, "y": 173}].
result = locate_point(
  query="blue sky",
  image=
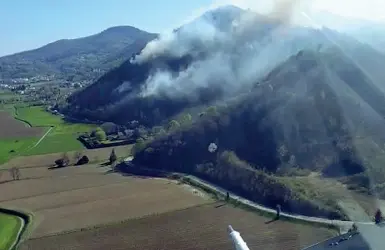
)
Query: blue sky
[{"x": 28, "y": 24}]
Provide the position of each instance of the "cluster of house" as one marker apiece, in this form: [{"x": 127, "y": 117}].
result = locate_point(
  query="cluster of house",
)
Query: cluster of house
[{"x": 27, "y": 80}]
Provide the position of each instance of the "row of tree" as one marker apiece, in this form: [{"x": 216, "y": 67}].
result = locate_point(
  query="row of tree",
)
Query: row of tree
[{"x": 82, "y": 159}]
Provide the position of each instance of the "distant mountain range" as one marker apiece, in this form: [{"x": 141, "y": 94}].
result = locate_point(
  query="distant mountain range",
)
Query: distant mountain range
[
  {"x": 369, "y": 32},
  {"x": 79, "y": 59}
]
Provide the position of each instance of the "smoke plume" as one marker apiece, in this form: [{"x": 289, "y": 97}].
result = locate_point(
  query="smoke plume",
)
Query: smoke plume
[{"x": 239, "y": 46}]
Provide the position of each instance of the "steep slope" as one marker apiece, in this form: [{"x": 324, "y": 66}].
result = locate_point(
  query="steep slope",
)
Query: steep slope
[
  {"x": 307, "y": 105},
  {"x": 217, "y": 55},
  {"x": 80, "y": 57},
  {"x": 306, "y": 115}
]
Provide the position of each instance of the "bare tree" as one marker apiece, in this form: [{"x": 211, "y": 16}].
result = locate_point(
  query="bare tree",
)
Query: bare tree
[
  {"x": 113, "y": 158},
  {"x": 113, "y": 165},
  {"x": 15, "y": 173},
  {"x": 78, "y": 155}
]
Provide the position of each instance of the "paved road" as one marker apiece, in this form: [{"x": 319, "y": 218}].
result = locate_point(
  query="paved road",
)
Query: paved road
[
  {"x": 370, "y": 236},
  {"x": 344, "y": 242},
  {"x": 344, "y": 225}
]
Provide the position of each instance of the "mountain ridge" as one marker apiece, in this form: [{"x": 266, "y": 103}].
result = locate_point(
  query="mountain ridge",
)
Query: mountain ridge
[
  {"x": 75, "y": 56},
  {"x": 202, "y": 44}
]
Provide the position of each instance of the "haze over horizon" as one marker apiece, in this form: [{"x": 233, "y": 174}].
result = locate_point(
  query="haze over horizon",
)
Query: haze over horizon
[{"x": 33, "y": 24}]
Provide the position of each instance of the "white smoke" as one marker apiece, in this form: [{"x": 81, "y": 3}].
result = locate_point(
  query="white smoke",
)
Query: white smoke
[{"x": 235, "y": 55}]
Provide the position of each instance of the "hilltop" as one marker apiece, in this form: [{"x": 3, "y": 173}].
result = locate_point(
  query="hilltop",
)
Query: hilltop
[
  {"x": 279, "y": 101},
  {"x": 79, "y": 59}
]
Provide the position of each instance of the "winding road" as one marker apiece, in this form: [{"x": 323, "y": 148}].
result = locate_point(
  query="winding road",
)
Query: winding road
[
  {"x": 370, "y": 235},
  {"x": 343, "y": 225}
]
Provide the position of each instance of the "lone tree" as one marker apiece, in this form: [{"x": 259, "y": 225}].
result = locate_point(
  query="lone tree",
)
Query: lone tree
[
  {"x": 77, "y": 156},
  {"x": 113, "y": 157},
  {"x": 100, "y": 135},
  {"x": 15, "y": 173}
]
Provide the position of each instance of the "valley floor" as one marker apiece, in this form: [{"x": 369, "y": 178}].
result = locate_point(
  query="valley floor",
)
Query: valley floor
[
  {"x": 200, "y": 227},
  {"x": 92, "y": 207}
]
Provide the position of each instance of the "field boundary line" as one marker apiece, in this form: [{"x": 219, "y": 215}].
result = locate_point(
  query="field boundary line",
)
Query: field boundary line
[
  {"x": 25, "y": 222},
  {"x": 15, "y": 242},
  {"x": 75, "y": 189},
  {"x": 16, "y": 116},
  {"x": 105, "y": 199},
  {"x": 51, "y": 177},
  {"x": 123, "y": 221}
]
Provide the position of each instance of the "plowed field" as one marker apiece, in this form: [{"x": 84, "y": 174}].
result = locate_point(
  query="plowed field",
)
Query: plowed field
[
  {"x": 201, "y": 227},
  {"x": 79, "y": 197},
  {"x": 12, "y": 128}
]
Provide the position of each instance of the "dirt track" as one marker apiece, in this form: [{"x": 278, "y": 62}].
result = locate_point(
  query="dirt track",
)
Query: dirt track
[
  {"x": 203, "y": 227},
  {"x": 12, "y": 128}
]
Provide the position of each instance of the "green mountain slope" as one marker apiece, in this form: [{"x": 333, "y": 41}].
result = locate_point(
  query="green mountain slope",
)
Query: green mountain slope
[{"x": 81, "y": 58}]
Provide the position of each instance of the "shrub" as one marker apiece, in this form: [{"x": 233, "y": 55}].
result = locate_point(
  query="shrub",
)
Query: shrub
[{"x": 83, "y": 160}]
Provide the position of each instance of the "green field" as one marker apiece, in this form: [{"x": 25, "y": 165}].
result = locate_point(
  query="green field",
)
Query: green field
[
  {"x": 61, "y": 138},
  {"x": 7, "y": 95},
  {"x": 18, "y": 146},
  {"x": 9, "y": 228},
  {"x": 37, "y": 116}
]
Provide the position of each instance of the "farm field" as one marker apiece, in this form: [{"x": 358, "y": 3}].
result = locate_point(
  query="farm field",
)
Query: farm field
[
  {"x": 15, "y": 136},
  {"x": 62, "y": 137},
  {"x": 72, "y": 198},
  {"x": 200, "y": 227},
  {"x": 9, "y": 228},
  {"x": 49, "y": 133},
  {"x": 12, "y": 128}
]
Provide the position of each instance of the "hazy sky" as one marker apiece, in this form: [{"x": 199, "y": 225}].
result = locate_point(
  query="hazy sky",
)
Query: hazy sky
[{"x": 27, "y": 24}]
